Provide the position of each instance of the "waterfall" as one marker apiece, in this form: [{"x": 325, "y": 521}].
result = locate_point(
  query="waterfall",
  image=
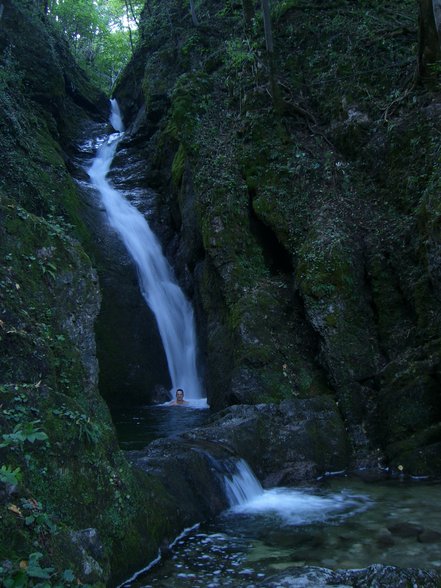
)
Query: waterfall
[
  {"x": 173, "y": 312},
  {"x": 288, "y": 505},
  {"x": 241, "y": 485}
]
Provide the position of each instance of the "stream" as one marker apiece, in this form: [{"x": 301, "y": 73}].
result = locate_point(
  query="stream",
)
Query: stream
[
  {"x": 337, "y": 523},
  {"x": 343, "y": 523}
]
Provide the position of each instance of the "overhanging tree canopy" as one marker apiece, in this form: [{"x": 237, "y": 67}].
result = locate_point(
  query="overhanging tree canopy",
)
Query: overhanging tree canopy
[{"x": 101, "y": 33}]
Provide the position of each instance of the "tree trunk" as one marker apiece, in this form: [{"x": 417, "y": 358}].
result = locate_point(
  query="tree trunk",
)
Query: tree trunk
[
  {"x": 275, "y": 92},
  {"x": 429, "y": 46},
  {"x": 128, "y": 25},
  {"x": 42, "y": 5},
  {"x": 194, "y": 18},
  {"x": 267, "y": 26},
  {"x": 248, "y": 13},
  {"x": 129, "y": 4}
]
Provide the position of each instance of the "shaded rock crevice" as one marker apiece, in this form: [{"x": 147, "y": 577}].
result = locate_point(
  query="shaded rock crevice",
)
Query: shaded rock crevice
[{"x": 277, "y": 258}]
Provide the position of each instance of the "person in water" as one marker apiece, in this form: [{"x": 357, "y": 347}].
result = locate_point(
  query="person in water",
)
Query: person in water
[{"x": 179, "y": 398}]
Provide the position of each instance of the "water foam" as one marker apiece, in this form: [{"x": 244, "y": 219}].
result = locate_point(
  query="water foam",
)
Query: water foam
[{"x": 290, "y": 506}]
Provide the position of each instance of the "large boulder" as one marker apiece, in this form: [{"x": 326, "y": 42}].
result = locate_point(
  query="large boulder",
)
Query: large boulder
[{"x": 296, "y": 440}]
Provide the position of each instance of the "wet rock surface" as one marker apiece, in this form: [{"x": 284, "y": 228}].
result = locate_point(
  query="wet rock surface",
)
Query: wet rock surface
[
  {"x": 294, "y": 441},
  {"x": 429, "y": 536},
  {"x": 405, "y": 529},
  {"x": 191, "y": 474},
  {"x": 315, "y": 269},
  {"x": 129, "y": 349},
  {"x": 88, "y": 551},
  {"x": 388, "y": 577},
  {"x": 67, "y": 473},
  {"x": 378, "y": 576}
]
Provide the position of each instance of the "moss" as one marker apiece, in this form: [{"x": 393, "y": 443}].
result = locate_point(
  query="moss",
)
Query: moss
[
  {"x": 276, "y": 387},
  {"x": 178, "y": 166},
  {"x": 410, "y": 401},
  {"x": 331, "y": 320},
  {"x": 311, "y": 381},
  {"x": 418, "y": 454},
  {"x": 324, "y": 267},
  {"x": 189, "y": 100}
]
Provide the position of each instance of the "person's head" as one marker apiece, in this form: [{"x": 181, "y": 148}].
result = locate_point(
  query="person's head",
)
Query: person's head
[{"x": 179, "y": 395}]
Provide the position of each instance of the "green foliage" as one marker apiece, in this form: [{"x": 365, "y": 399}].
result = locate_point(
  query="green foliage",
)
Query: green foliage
[
  {"x": 31, "y": 573},
  {"x": 191, "y": 42},
  {"x": 10, "y": 475},
  {"x": 35, "y": 517},
  {"x": 191, "y": 98},
  {"x": 239, "y": 52},
  {"x": 282, "y": 7},
  {"x": 10, "y": 75},
  {"x": 349, "y": 54},
  {"x": 23, "y": 432},
  {"x": 101, "y": 34},
  {"x": 49, "y": 298},
  {"x": 87, "y": 430},
  {"x": 178, "y": 166}
]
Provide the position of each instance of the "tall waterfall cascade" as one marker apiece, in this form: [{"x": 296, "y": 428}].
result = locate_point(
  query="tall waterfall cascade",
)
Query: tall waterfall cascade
[{"x": 173, "y": 312}]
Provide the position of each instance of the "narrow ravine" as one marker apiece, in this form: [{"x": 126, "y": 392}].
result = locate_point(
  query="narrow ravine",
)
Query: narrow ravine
[{"x": 173, "y": 312}]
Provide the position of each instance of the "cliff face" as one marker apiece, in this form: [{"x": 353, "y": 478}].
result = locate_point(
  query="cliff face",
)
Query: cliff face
[
  {"x": 308, "y": 228},
  {"x": 66, "y": 491}
]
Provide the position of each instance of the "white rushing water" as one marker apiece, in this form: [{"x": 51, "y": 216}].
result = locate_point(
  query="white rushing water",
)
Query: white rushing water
[
  {"x": 292, "y": 507},
  {"x": 241, "y": 485},
  {"x": 173, "y": 312},
  {"x": 299, "y": 507}
]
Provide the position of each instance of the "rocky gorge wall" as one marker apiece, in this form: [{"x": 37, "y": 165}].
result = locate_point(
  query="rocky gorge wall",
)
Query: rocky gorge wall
[
  {"x": 72, "y": 510},
  {"x": 307, "y": 230}
]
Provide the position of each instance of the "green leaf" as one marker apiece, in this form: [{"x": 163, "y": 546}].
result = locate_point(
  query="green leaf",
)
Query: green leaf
[
  {"x": 20, "y": 580},
  {"x": 9, "y": 475},
  {"x": 37, "y": 436},
  {"x": 68, "y": 575},
  {"x": 34, "y": 569}
]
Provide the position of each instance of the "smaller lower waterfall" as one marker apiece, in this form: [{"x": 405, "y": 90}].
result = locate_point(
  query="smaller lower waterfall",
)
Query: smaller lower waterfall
[
  {"x": 241, "y": 485},
  {"x": 211, "y": 555},
  {"x": 290, "y": 505}
]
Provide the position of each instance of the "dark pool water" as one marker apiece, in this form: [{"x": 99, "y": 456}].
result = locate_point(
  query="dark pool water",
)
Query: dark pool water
[
  {"x": 343, "y": 523},
  {"x": 138, "y": 426}
]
